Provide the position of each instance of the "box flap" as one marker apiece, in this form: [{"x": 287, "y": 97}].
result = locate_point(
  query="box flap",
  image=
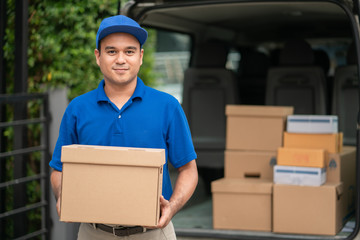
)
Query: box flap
[
  {"x": 237, "y": 185},
  {"x": 250, "y": 110},
  {"x": 113, "y": 155},
  {"x": 339, "y": 186}
]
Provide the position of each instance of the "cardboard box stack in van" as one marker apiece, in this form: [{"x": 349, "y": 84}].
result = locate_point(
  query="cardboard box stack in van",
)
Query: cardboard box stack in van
[
  {"x": 242, "y": 200},
  {"x": 314, "y": 178}
]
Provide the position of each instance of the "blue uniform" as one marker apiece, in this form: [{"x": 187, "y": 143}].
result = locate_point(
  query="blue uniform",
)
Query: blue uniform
[{"x": 150, "y": 119}]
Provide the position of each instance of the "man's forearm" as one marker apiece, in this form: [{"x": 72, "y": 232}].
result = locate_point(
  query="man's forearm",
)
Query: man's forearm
[
  {"x": 185, "y": 186},
  {"x": 56, "y": 178}
]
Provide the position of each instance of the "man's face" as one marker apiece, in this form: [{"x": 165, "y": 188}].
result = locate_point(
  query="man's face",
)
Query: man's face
[{"x": 120, "y": 58}]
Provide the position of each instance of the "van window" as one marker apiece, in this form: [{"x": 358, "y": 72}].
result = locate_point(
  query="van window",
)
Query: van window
[
  {"x": 172, "y": 56},
  {"x": 233, "y": 60}
]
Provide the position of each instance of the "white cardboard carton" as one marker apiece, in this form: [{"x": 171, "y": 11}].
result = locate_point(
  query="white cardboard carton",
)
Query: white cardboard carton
[
  {"x": 312, "y": 124},
  {"x": 303, "y": 176}
]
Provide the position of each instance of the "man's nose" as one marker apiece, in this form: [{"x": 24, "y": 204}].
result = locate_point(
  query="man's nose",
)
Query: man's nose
[{"x": 120, "y": 58}]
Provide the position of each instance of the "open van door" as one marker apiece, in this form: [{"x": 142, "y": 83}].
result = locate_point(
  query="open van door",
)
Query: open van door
[{"x": 302, "y": 54}]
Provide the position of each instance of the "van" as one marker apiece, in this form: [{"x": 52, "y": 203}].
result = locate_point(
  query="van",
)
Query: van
[{"x": 215, "y": 53}]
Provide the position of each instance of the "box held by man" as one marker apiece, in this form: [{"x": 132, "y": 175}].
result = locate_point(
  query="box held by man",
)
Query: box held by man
[{"x": 111, "y": 185}]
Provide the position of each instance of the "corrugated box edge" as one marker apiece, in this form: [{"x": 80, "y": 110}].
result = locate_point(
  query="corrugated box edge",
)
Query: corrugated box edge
[{"x": 112, "y": 155}]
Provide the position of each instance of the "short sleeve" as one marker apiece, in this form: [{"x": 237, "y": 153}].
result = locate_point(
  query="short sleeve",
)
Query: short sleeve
[
  {"x": 67, "y": 136},
  {"x": 180, "y": 145}
]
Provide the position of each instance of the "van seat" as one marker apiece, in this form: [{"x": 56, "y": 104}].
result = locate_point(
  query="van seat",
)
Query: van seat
[
  {"x": 297, "y": 81},
  {"x": 252, "y": 83},
  {"x": 208, "y": 88},
  {"x": 346, "y": 96}
]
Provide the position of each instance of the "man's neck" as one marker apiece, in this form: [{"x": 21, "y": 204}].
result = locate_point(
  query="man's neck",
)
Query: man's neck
[{"x": 121, "y": 93}]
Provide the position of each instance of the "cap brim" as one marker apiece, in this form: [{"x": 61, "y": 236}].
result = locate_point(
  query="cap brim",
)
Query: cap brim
[{"x": 139, "y": 33}]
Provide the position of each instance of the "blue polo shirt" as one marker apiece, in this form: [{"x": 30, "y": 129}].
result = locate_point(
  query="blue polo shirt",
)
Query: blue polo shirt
[{"x": 150, "y": 119}]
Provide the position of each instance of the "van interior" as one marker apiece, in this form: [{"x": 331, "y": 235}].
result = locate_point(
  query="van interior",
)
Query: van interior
[{"x": 210, "y": 54}]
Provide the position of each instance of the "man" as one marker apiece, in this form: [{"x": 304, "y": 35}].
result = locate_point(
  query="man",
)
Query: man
[{"x": 122, "y": 111}]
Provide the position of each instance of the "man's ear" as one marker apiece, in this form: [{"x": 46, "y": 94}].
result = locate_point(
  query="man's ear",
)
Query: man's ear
[
  {"x": 141, "y": 56},
  {"x": 97, "y": 56}
]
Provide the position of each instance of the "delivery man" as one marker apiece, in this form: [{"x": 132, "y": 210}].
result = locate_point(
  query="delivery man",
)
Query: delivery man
[{"x": 122, "y": 111}]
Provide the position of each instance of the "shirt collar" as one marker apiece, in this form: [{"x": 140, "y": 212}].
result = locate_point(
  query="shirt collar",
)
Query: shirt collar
[{"x": 138, "y": 93}]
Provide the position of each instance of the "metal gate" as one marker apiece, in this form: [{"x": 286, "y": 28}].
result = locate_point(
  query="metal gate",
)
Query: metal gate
[{"x": 24, "y": 169}]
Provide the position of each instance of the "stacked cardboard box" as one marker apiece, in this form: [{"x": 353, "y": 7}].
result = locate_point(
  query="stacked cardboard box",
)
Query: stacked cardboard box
[
  {"x": 299, "y": 166},
  {"x": 243, "y": 199},
  {"x": 305, "y": 202}
]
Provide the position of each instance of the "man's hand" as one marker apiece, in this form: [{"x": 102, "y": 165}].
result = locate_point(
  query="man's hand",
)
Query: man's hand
[
  {"x": 56, "y": 178},
  {"x": 184, "y": 187},
  {"x": 58, "y": 204},
  {"x": 166, "y": 212}
]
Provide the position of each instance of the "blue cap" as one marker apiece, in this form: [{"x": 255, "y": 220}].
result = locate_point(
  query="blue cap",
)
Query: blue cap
[{"x": 120, "y": 23}]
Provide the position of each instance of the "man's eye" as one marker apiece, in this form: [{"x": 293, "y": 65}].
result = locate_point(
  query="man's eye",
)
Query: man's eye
[
  {"x": 130, "y": 52},
  {"x": 111, "y": 52}
]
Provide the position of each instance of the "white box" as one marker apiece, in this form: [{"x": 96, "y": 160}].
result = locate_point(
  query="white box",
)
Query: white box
[
  {"x": 312, "y": 124},
  {"x": 303, "y": 176}
]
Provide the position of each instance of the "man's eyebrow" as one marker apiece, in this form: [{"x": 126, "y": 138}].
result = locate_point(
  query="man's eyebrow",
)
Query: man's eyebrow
[
  {"x": 131, "y": 47},
  {"x": 109, "y": 47},
  {"x": 112, "y": 47}
]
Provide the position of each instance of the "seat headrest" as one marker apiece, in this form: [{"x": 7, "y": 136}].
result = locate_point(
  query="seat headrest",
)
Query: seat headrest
[
  {"x": 212, "y": 54},
  {"x": 296, "y": 52},
  {"x": 322, "y": 60},
  {"x": 351, "y": 57}
]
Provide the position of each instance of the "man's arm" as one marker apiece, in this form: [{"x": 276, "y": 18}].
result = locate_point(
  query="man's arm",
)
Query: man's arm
[
  {"x": 184, "y": 188},
  {"x": 56, "y": 178}
]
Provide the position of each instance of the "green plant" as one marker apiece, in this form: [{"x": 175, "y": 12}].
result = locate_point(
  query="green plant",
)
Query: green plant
[{"x": 60, "y": 53}]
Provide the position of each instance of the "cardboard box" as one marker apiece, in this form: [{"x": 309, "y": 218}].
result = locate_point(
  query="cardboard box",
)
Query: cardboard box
[
  {"x": 111, "y": 185},
  {"x": 242, "y": 204},
  {"x": 330, "y": 142},
  {"x": 303, "y": 176},
  {"x": 312, "y": 124},
  {"x": 255, "y": 127},
  {"x": 301, "y": 157},
  {"x": 249, "y": 164},
  {"x": 308, "y": 210},
  {"x": 341, "y": 167}
]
